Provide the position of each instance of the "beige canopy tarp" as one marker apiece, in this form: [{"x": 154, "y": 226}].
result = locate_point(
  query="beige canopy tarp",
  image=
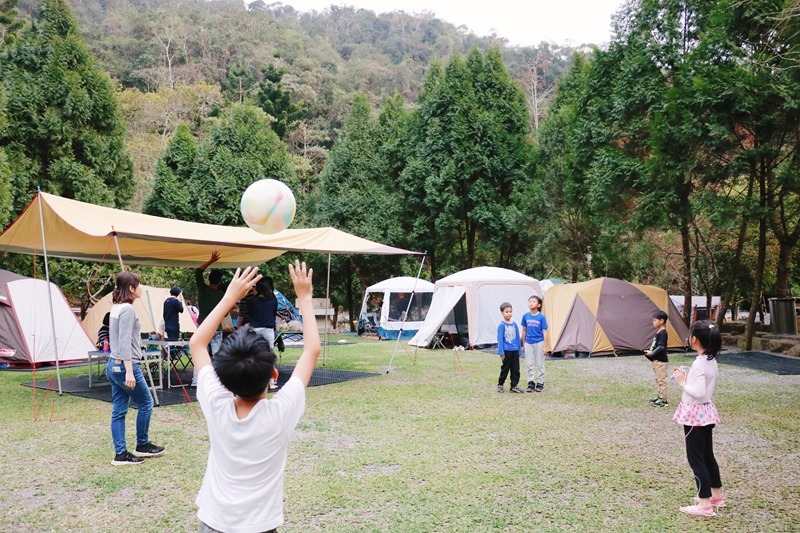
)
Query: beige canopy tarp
[{"x": 78, "y": 230}]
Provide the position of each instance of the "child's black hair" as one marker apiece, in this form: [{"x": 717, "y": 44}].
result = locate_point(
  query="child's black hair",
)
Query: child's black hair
[
  {"x": 175, "y": 291},
  {"x": 215, "y": 276},
  {"x": 538, "y": 298},
  {"x": 709, "y": 337},
  {"x": 660, "y": 315},
  {"x": 244, "y": 363},
  {"x": 504, "y": 306}
]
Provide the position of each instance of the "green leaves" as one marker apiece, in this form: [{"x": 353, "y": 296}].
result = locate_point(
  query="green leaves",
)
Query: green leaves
[
  {"x": 63, "y": 130},
  {"x": 203, "y": 180}
]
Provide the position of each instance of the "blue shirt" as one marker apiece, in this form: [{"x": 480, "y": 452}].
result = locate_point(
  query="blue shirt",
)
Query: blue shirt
[
  {"x": 507, "y": 337},
  {"x": 534, "y": 327}
]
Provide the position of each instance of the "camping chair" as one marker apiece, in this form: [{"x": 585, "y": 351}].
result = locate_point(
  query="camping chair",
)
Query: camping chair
[
  {"x": 368, "y": 324},
  {"x": 438, "y": 340}
]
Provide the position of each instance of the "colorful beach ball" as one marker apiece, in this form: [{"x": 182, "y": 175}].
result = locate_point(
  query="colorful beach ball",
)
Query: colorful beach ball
[{"x": 268, "y": 206}]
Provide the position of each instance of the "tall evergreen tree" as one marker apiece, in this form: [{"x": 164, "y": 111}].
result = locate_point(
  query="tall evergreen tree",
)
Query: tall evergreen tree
[
  {"x": 64, "y": 132},
  {"x": 277, "y": 102},
  {"x": 171, "y": 196},
  {"x": 357, "y": 192},
  {"x": 5, "y": 170},
  {"x": 471, "y": 152},
  {"x": 240, "y": 148}
]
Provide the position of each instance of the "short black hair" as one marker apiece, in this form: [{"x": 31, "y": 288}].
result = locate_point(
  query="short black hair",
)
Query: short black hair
[
  {"x": 175, "y": 290},
  {"x": 215, "y": 276},
  {"x": 244, "y": 363},
  {"x": 505, "y": 305},
  {"x": 660, "y": 315}
]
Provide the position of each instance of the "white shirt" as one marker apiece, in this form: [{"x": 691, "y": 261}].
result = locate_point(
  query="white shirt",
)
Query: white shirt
[
  {"x": 242, "y": 490},
  {"x": 700, "y": 381}
]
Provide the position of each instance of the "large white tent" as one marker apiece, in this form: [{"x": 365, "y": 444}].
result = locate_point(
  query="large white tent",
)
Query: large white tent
[
  {"x": 29, "y": 334},
  {"x": 467, "y": 304},
  {"x": 398, "y": 317}
]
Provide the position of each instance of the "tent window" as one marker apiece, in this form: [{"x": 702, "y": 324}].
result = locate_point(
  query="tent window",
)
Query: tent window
[{"x": 398, "y": 303}]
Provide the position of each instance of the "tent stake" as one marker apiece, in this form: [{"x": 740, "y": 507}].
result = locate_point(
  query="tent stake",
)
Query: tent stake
[{"x": 405, "y": 315}]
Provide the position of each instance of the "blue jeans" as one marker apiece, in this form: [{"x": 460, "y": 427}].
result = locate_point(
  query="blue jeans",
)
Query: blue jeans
[
  {"x": 216, "y": 342},
  {"x": 121, "y": 397},
  {"x": 269, "y": 334}
]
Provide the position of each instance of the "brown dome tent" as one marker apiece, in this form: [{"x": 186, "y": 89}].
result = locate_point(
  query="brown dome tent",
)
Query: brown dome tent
[{"x": 608, "y": 316}]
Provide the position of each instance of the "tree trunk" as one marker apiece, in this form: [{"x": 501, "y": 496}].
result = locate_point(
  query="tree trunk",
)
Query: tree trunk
[
  {"x": 730, "y": 284},
  {"x": 350, "y": 307},
  {"x": 686, "y": 247},
  {"x": 784, "y": 268},
  {"x": 755, "y": 300}
]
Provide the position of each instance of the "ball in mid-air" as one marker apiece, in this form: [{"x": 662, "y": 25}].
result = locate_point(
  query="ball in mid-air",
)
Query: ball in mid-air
[{"x": 268, "y": 206}]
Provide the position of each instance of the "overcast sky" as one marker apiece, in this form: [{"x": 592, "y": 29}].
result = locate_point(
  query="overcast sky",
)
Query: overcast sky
[{"x": 522, "y": 22}]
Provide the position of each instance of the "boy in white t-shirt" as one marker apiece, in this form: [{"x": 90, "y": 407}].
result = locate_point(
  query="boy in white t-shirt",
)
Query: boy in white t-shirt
[{"x": 242, "y": 490}]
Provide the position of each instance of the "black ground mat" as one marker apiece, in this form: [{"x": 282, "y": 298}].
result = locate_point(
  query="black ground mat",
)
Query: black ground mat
[
  {"x": 101, "y": 390},
  {"x": 766, "y": 362}
]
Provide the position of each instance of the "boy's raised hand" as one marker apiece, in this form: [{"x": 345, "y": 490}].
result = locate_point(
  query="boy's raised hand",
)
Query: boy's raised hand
[
  {"x": 301, "y": 279},
  {"x": 242, "y": 281}
]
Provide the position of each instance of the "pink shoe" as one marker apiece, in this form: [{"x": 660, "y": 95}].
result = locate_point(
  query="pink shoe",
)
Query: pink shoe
[
  {"x": 715, "y": 502},
  {"x": 696, "y": 510}
]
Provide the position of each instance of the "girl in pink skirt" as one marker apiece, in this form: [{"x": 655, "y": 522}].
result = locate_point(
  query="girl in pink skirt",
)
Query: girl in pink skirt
[{"x": 698, "y": 415}]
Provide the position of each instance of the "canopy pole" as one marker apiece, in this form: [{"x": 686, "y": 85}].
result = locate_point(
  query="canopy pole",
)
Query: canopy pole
[
  {"x": 327, "y": 302},
  {"x": 116, "y": 243},
  {"x": 408, "y": 307},
  {"x": 49, "y": 292}
]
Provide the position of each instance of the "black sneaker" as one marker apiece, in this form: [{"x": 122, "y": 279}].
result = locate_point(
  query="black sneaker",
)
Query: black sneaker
[
  {"x": 531, "y": 387},
  {"x": 654, "y": 400},
  {"x": 517, "y": 390},
  {"x": 149, "y": 450},
  {"x": 661, "y": 403},
  {"x": 539, "y": 387},
  {"x": 126, "y": 458}
]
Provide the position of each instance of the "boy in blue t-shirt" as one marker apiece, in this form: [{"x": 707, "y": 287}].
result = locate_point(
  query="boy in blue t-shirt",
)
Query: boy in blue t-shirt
[
  {"x": 508, "y": 348},
  {"x": 534, "y": 329}
]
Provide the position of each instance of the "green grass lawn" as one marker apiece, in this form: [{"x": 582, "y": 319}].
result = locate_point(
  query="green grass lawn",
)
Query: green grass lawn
[{"x": 426, "y": 448}]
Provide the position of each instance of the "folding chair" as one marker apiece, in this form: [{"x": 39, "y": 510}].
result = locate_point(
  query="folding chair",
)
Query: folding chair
[
  {"x": 438, "y": 340},
  {"x": 150, "y": 360}
]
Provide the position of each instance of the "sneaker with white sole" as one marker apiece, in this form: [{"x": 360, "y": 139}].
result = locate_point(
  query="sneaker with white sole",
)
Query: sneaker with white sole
[
  {"x": 499, "y": 388},
  {"x": 126, "y": 458},
  {"x": 696, "y": 510},
  {"x": 517, "y": 390},
  {"x": 149, "y": 450}
]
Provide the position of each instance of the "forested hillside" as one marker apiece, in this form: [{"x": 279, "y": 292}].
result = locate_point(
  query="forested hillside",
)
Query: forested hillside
[{"x": 184, "y": 51}]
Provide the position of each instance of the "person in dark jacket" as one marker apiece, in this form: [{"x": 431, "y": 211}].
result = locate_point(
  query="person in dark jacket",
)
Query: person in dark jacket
[{"x": 658, "y": 355}]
